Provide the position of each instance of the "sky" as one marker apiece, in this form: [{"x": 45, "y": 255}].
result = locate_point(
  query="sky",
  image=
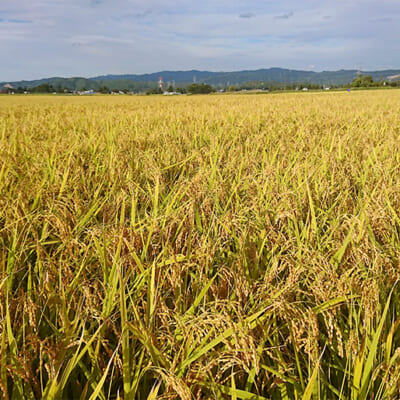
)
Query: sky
[{"x": 45, "y": 38}]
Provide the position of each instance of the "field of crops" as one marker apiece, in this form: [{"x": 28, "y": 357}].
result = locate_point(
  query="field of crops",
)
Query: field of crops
[{"x": 200, "y": 247}]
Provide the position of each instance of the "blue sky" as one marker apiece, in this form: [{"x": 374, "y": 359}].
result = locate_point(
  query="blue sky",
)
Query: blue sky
[{"x": 44, "y": 38}]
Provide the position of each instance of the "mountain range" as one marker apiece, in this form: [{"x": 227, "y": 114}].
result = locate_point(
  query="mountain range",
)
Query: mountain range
[{"x": 182, "y": 78}]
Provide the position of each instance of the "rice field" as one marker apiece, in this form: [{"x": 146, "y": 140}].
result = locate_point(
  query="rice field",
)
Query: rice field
[{"x": 200, "y": 247}]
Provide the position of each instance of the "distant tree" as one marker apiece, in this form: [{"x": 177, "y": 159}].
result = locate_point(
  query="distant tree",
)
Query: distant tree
[
  {"x": 152, "y": 91},
  {"x": 104, "y": 89},
  {"x": 364, "y": 81},
  {"x": 43, "y": 88},
  {"x": 170, "y": 89},
  {"x": 195, "y": 88}
]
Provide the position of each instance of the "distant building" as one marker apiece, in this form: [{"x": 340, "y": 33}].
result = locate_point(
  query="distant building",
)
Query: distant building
[
  {"x": 86, "y": 93},
  {"x": 393, "y": 78},
  {"x": 6, "y": 88}
]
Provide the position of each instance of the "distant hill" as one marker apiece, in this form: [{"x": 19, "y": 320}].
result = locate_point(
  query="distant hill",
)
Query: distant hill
[
  {"x": 280, "y": 75},
  {"x": 79, "y": 83},
  {"x": 147, "y": 81}
]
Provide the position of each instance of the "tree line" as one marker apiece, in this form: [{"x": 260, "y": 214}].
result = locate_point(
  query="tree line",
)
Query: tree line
[{"x": 361, "y": 81}]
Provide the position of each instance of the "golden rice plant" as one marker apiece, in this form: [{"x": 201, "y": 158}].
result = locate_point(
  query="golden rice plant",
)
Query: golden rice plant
[{"x": 200, "y": 247}]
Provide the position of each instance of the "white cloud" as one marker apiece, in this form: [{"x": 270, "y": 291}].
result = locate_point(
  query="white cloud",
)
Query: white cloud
[{"x": 90, "y": 37}]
